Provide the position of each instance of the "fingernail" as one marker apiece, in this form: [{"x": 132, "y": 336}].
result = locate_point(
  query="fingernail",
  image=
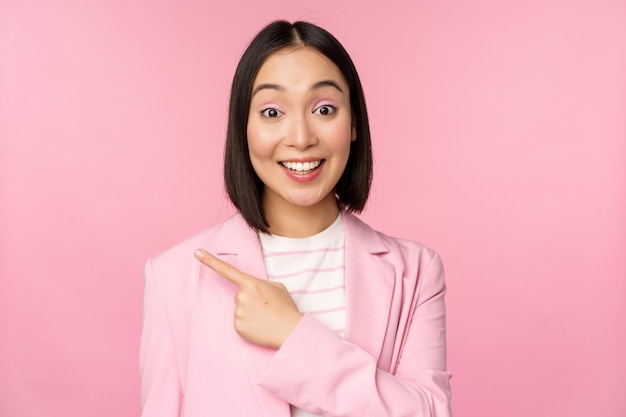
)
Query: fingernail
[{"x": 199, "y": 253}]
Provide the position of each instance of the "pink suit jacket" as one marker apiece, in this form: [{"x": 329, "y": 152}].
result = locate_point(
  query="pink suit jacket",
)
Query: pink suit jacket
[{"x": 392, "y": 361}]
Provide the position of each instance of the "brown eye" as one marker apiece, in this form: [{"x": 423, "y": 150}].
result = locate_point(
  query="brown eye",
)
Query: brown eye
[
  {"x": 271, "y": 112},
  {"x": 325, "y": 110}
]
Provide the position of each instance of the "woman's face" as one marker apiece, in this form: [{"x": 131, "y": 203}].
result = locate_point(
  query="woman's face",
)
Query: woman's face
[{"x": 299, "y": 128}]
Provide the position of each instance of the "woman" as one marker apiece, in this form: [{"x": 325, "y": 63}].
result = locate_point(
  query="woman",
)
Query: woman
[{"x": 294, "y": 306}]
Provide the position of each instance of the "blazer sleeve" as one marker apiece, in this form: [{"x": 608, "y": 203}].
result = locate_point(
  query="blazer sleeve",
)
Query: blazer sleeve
[
  {"x": 161, "y": 394},
  {"x": 319, "y": 371}
]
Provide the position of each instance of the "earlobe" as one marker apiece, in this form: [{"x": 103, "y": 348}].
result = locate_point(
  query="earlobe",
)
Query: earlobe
[{"x": 353, "y": 134}]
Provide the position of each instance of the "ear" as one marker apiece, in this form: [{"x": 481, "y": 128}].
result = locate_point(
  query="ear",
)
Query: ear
[{"x": 353, "y": 138}]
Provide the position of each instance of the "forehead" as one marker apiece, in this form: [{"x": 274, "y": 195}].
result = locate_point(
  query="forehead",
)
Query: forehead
[{"x": 298, "y": 66}]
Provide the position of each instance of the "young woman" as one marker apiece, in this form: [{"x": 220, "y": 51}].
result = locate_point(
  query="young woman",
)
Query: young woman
[{"x": 294, "y": 307}]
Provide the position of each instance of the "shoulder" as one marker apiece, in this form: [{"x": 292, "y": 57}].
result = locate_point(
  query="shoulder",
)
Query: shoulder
[
  {"x": 180, "y": 256},
  {"x": 411, "y": 259},
  {"x": 381, "y": 243}
]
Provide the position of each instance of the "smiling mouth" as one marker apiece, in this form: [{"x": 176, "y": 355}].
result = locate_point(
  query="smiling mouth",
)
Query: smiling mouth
[{"x": 302, "y": 168}]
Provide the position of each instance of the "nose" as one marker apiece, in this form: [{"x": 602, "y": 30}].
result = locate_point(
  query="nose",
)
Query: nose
[{"x": 301, "y": 133}]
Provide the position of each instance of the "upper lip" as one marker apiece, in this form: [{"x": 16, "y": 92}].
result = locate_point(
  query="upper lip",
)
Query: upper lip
[{"x": 307, "y": 159}]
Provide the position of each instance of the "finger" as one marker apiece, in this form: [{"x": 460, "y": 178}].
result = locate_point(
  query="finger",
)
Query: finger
[{"x": 223, "y": 268}]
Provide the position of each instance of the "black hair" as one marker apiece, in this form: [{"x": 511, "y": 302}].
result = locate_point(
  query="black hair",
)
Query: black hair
[{"x": 244, "y": 187}]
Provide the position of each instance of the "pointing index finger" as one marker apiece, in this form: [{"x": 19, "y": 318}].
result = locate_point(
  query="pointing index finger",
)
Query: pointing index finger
[{"x": 222, "y": 268}]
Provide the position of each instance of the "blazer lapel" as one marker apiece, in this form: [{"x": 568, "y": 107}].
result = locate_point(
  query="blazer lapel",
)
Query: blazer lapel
[
  {"x": 370, "y": 282},
  {"x": 239, "y": 245}
]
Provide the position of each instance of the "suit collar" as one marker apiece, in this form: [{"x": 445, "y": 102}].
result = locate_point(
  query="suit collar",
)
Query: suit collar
[
  {"x": 370, "y": 282},
  {"x": 238, "y": 244},
  {"x": 237, "y": 237},
  {"x": 363, "y": 236}
]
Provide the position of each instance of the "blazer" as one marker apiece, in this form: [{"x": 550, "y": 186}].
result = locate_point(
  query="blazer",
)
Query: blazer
[{"x": 391, "y": 362}]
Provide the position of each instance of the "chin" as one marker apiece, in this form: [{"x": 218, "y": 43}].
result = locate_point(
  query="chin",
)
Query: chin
[{"x": 305, "y": 203}]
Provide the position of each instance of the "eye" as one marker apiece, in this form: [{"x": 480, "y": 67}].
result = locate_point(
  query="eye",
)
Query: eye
[
  {"x": 325, "y": 110},
  {"x": 271, "y": 113}
]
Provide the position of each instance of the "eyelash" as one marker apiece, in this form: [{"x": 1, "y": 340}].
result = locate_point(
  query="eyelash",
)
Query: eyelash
[
  {"x": 264, "y": 113},
  {"x": 332, "y": 109}
]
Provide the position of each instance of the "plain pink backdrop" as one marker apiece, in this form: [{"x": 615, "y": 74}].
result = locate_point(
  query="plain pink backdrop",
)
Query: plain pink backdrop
[{"x": 510, "y": 115}]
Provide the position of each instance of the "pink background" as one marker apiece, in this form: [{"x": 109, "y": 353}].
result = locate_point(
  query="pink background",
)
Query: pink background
[{"x": 500, "y": 140}]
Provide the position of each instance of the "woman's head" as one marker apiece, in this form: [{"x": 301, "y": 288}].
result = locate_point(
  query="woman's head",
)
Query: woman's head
[{"x": 243, "y": 185}]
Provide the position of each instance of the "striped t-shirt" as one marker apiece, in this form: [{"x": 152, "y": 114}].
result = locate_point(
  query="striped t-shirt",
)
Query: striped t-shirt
[{"x": 312, "y": 269}]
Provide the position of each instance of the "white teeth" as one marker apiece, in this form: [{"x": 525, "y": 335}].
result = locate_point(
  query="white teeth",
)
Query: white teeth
[{"x": 301, "y": 167}]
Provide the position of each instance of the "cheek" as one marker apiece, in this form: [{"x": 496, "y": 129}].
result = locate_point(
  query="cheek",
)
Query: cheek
[
  {"x": 258, "y": 143},
  {"x": 258, "y": 152},
  {"x": 340, "y": 137},
  {"x": 263, "y": 147},
  {"x": 258, "y": 156}
]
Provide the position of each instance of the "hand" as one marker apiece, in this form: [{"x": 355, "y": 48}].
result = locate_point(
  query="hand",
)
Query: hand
[{"x": 265, "y": 313}]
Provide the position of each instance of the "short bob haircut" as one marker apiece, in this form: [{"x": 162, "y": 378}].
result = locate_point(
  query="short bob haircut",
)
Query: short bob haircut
[{"x": 244, "y": 187}]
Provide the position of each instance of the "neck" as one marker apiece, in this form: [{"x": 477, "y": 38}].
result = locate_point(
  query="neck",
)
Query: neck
[{"x": 301, "y": 222}]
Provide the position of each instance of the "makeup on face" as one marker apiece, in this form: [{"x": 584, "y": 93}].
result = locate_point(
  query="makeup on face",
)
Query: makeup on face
[{"x": 299, "y": 127}]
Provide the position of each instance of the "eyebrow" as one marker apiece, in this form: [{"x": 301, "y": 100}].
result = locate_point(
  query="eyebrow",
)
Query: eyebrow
[
  {"x": 267, "y": 87},
  {"x": 326, "y": 83},
  {"x": 317, "y": 85}
]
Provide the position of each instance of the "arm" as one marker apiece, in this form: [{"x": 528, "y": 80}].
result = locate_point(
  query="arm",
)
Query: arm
[
  {"x": 319, "y": 371},
  {"x": 161, "y": 394}
]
